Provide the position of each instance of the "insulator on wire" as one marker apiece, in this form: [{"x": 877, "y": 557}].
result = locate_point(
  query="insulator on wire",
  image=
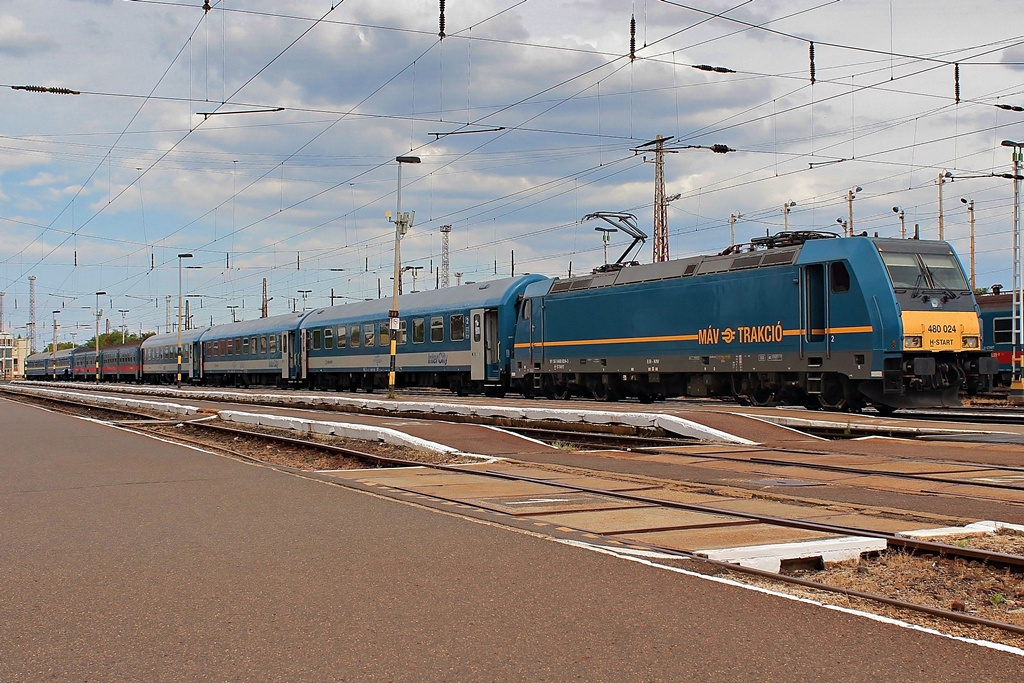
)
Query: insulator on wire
[
  {"x": 632, "y": 38},
  {"x": 812, "y": 63},
  {"x": 206, "y": 6},
  {"x": 440, "y": 31},
  {"x": 1010, "y": 107},
  {"x": 956, "y": 82}
]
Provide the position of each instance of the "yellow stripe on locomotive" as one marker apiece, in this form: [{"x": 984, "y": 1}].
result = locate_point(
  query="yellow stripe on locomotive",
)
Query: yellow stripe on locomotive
[{"x": 938, "y": 331}]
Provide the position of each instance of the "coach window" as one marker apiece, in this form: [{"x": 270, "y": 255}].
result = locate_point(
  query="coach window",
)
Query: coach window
[
  {"x": 263, "y": 343},
  {"x": 477, "y": 332},
  {"x": 353, "y": 336},
  {"x": 1002, "y": 330},
  {"x": 840, "y": 277},
  {"x": 385, "y": 334},
  {"x": 458, "y": 328},
  {"x": 368, "y": 335},
  {"x": 253, "y": 346},
  {"x": 231, "y": 347},
  {"x": 328, "y": 338},
  {"x": 223, "y": 348},
  {"x": 238, "y": 346},
  {"x": 418, "y": 333},
  {"x": 273, "y": 343},
  {"x": 436, "y": 329},
  {"x": 245, "y": 346},
  {"x": 316, "y": 340},
  {"x": 403, "y": 331},
  {"x": 342, "y": 337}
]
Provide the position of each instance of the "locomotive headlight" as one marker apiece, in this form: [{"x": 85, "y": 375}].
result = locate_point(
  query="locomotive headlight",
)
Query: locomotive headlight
[
  {"x": 970, "y": 342},
  {"x": 912, "y": 342}
]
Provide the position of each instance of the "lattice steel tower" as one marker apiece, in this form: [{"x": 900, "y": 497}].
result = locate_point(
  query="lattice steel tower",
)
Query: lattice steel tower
[
  {"x": 33, "y": 345},
  {"x": 660, "y": 205},
  {"x": 446, "y": 231}
]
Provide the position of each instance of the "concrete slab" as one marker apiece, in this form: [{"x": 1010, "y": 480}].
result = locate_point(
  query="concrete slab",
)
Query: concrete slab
[
  {"x": 562, "y": 501},
  {"x": 730, "y": 537},
  {"x": 770, "y": 557},
  {"x": 636, "y": 520}
]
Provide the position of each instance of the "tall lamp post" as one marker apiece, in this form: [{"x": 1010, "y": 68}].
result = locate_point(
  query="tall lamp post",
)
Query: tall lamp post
[
  {"x": 54, "y": 347},
  {"x": 402, "y": 225},
  {"x": 1018, "y": 269},
  {"x": 99, "y": 314},
  {"x": 785, "y": 214},
  {"x": 943, "y": 178},
  {"x": 903, "y": 225},
  {"x": 181, "y": 306},
  {"x": 850, "y": 194},
  {"x": 124, "y": 326},
  {"x": 970, "y": 213}
]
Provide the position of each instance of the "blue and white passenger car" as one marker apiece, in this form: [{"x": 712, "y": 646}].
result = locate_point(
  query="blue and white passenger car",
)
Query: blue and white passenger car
[{"x": 458, "y": 338}]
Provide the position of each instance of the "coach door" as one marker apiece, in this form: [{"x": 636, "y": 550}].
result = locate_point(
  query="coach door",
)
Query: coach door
[
  {"x": 814, "y": 314},
  {"x": 477, "y": 344},
  {"x": 197, "y": 360}
]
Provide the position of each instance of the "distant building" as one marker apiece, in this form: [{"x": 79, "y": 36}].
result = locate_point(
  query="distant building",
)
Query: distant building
[{"x": 13, "y": 352}]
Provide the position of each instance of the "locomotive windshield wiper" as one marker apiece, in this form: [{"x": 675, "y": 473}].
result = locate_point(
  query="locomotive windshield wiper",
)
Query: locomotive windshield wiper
[{"x": 916, "y": 290}]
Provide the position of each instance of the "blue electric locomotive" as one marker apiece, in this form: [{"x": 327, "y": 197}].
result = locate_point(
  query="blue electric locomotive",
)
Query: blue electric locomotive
[{"x": 798, "y": 318}]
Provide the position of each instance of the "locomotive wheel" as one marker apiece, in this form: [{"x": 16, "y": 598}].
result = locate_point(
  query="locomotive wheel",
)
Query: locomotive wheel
[
  {"x": 600, "y": 392},
  {"x": 762, "y": 396},
  {"x": 834, "y": 394},
  {"x": 561, "y": 392}
]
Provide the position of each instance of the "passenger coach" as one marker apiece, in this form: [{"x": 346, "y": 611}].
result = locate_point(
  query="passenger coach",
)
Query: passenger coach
[{"x": 458, "y": 338}]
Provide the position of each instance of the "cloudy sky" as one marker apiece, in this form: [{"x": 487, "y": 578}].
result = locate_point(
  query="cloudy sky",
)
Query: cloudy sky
[{"x": 261, "y": 137}]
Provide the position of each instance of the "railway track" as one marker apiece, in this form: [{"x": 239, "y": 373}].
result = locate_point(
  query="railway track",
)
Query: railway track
[{"x": 1014, "y": 563}]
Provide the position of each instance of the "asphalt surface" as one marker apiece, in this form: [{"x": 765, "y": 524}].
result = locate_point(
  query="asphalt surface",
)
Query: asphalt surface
[{"x": 126, "y": 558}]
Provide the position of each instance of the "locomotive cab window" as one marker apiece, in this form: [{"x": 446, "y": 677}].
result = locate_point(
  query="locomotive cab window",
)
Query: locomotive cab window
[
  {"x": 840, "y": 277},
  {"x": 944, "y": 271},
  {"x": 527, "y": 309},
  {"x": 904, "y": 270}
]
